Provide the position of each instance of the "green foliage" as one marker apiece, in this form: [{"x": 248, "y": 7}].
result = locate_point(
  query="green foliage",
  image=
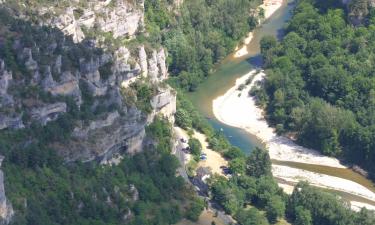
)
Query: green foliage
[
  {"x": 195, "y": 147},
  {"x": 144, "y": 91},
  {"x": 256, "y": 188},
  {"x": 303, "y": 216},
  {"x": 188, "y": 117},
  {"x": 202, "y": 34},
  {"x": 251, "y": 217},
  {"x": 195, "y": 209},
  {"x": 161, "y": 131},
  {"x": 183, "y": 120},
  {"x": 238, "y": 165},
  {"x": 233, "y": 153},
  {"x": 258, "y": 163},
  {"x": 275, "y": 209},
  {"x": 320, "y": 82},
  {"x": 309, "y": 205}
]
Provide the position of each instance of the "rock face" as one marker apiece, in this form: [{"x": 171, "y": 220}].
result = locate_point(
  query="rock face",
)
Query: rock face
[
  {"x": 6, "y": 209},
  {"x": 157, "y": 69},
  {"x": 164, "y": 103},
  {"x": 107, "y": 137},
  {"x": 120, "y": 17},
  {"x": 48, "y": 112},
  {"x": 11, "y": 122},
  {"x": 123, "y": 19},
  {"x": 8, "y": 119},
  {"x": 83, "y": 72},
  {"x": 68, "y": 85},
  {"x": 143, "y": 61},
  {"x": 5, "y": 78}
]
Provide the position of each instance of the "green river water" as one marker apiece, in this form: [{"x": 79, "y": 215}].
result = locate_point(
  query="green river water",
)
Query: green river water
[{"x": 224, "y": 78}]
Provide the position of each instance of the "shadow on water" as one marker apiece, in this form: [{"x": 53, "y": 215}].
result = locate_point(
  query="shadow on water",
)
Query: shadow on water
[{"x": 256, "y": 61}]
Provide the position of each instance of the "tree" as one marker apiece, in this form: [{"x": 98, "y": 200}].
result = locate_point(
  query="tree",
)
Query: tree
[
  {"x": 258, "y": 163},
  {"x": 195, "y": 146},
  {"x": 267, "y": 43},
  {"x": 182, "y": 119},
  {"x": 195, "y": 209},
  {"x": 234, "y": 152},
  {"x": 275, "y": 209},
  {"x": 250, "y": 217},
  {"x": 238, "y": 165},
  {"x": 249, "y": 186},
  {"x": 303, "y": 216}
]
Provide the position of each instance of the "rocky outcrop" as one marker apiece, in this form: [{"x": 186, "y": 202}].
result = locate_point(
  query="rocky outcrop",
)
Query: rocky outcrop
[
  {"x": 6, "y": 209},
  {"x": 120, "y": 17},
  {"x": 164, "y": 104},
  {"x": 68, "y": 85},
  {"x": 121, "y": 64},
  {"x": 10, "y": 122},
  {"x": 123, "y": 19},
  {"x": 105, "y": 138},
  {"x": 6, "y": 78},
  {"x": 48, "y": 113},
  {"x": 157, "y": 69},
  {"x": 8, "y": 118},
  {"x": 31, "y": 65},
  {"x": 143, "y": 60},
  {"x": 161, "y": 59},
  {"x": 133, "y": 192},
  {"x": 92, "y": 74}
]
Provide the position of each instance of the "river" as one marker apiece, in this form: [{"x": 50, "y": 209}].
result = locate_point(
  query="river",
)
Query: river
[{"x": 224, "y": 77}]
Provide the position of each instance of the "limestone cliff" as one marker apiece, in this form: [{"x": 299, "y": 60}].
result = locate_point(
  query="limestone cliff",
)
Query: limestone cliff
[
  {"x": 122, "y": 18},
  {"x": 6, "y": 209},
  {"x": 52, "y": 70},
  {"x": 118, "y": 128}
]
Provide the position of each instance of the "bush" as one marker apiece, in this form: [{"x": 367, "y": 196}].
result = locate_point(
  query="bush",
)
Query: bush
[{"x": 195, "y": 147}]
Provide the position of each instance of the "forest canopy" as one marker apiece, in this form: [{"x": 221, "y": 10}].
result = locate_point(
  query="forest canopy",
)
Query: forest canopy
[{"x": 320, "y": 81}]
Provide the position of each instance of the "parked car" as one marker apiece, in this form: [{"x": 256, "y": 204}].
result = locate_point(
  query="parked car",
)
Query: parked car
[
  {"x": 227, "y": 171},
  {"x": 202, "y": 157}
]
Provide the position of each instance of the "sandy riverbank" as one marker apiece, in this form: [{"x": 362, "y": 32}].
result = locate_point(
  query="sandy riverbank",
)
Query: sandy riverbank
[
  {"x": 214, "y": 159},
  {"x": 293, "y": 175},
  {"x": 269, "y": 7},
  {"x": 236, "y": 108}
]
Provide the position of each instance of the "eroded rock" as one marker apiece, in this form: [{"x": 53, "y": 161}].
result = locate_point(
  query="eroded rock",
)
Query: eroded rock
[
  {"x": 48, "y": 112},
  {"x": 6, "y": 209},
  {"x": 164, "y": 103}
]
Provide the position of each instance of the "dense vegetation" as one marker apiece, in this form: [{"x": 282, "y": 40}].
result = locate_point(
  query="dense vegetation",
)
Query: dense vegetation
[
  {"x": 321, "y": 85},
  {"x": 200, "y": 35},
  {"x": 44, "y": 190},
  {"x": 253, "y": 197}
]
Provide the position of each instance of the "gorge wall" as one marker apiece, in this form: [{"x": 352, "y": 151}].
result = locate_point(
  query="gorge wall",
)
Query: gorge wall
[{"x": 69, "y": 60}]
